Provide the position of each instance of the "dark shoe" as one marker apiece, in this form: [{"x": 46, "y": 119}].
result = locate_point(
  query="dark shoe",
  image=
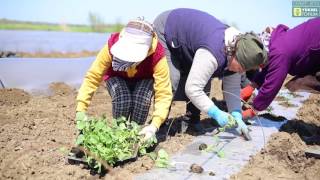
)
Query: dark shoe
[
  {"x": 311, "y": 140},
  {"x": 195, "y": 129}
]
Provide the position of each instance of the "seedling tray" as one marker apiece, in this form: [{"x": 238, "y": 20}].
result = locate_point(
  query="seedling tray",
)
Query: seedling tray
[{"x": 78, "y": 154}]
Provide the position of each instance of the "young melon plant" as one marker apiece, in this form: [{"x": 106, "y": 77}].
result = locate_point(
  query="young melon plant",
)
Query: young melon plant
[
  {"x": 231, "y": 123},
  {"x": 162, "y": 160},
  {"x": 111, "y": 141},
  {"x": 213, "y": 147}
]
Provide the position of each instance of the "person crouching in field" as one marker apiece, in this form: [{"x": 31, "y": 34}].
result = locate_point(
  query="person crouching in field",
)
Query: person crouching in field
[
  {"x": 134, "y": 67},
  {"x": 293, "y": 51},
  {"x": 200, "y": 47}
]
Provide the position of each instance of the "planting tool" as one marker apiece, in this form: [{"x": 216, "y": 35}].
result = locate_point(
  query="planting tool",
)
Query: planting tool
[
  {"x": 2, "y": 85},
  {"x": 246, "y": 135},
  {"x": 313, "y": 151}
]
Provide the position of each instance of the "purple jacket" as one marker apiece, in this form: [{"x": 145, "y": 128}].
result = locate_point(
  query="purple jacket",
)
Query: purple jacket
[{"x": 292, "y": 51}]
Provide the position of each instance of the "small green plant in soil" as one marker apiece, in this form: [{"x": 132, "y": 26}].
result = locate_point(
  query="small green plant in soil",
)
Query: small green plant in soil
[
  {"x": 111, "y": 141},
  {"x": 287, "y": 104},
  {"x": 231, "y": 123},
  {"x": 293, "y": 94},
  {"x": 212, "y": 148},
  {"x": 282, "y": 98},
  {"x": 162, "y": 160},
  {"x": 269, "y": 109}
]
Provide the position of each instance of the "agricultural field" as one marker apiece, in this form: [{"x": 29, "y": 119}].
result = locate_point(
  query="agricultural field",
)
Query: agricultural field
[
  {"x": 284, "y": 155},
  {"x": 38, "y": 130}
]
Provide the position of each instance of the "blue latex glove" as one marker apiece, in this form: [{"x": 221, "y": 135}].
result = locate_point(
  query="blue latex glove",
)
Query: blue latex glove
[
  {"x": 242, "y": 127},
  {"x": 220, "y": 116}
]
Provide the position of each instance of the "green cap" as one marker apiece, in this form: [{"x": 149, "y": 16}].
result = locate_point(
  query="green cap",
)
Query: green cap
[{"x": 250, "y": 51}]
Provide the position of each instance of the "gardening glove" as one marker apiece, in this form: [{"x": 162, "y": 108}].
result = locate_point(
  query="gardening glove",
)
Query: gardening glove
[
  {"x": 148, "y": 132},
  {"x": 220, "y": 116},
  {"x": 242, "y": 127},
  {"x": 80, "y": 116},
  {"x": 248, "y": 114},
  {"x": 246, "y": 92}
]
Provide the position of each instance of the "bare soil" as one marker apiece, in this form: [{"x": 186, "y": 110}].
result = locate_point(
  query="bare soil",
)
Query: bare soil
[
  {"x": 284, "y": 155},
  {"x": 38, "y": 131},
  {"x": 287, "y": 104}
]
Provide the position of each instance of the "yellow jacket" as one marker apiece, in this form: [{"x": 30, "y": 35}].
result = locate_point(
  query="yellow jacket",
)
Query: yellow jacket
[{"x": 162, "y": 85}]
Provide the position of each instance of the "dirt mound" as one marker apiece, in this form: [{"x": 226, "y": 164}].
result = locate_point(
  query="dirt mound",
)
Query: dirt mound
[
  {"x": 13, "y": 97},
  {"x": 35, "y": 136},
  {"x": 59, "y": 88},
  {"x": 283, "y": 158},
  {"x": 288, "y": 149},
  {"x": 284, "y": 155},
  {"x": 310, "y": 111}
]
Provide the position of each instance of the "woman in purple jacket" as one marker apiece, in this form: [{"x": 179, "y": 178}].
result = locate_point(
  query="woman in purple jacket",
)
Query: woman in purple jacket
[{"x": 293, "y": 51}]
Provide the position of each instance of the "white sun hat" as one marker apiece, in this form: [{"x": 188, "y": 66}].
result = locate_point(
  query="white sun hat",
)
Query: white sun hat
[{"x": 134, "y": 41}]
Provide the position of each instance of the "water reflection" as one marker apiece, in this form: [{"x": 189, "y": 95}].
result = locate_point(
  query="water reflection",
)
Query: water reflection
[{"x": 37, "y": 73}]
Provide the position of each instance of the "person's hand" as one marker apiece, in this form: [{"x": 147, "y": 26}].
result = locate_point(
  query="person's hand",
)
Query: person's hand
[
  {"x": 148, "y": 132},
  {"x": 220, "y": 116},
  {"x": 248, "y": 114},
  {"x": 81, "y": 116},
  {"x": 246, "y": 92},
  {"x": 242, "y": 127}
]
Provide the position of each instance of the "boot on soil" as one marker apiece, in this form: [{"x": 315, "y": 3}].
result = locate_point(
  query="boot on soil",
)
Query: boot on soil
[
  {"x": 194, "y": 125},
  {"x": 195, "y": 129}
]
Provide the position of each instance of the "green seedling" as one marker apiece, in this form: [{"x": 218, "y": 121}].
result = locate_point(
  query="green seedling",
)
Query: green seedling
[
  {"x": 162, "y": 160},
  {"x": 269, "y": 109},
  {"x": 231, "y": 123},
  {"x": 221, "y": 154},
  {"x": 111, "y": 141},
  {"x": 152, "y": 155},
  {"x": 287, "y": 104},
  {"x": 213, "y": 148},
  {"x": 293, "y": 94},
  {"x": 282, "y": 98}
]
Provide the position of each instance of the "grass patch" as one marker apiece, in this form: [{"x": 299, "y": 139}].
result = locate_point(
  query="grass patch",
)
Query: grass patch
[{"x": 21, "y": 25}]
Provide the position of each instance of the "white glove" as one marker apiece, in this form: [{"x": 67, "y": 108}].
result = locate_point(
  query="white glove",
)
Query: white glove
[{"x": 148, "y": 132}]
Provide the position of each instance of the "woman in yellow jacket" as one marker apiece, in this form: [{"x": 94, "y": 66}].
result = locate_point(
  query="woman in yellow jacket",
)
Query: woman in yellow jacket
[{"x": 134, "y": 67}]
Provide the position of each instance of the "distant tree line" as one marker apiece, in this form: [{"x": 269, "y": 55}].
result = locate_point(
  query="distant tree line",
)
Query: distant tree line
[{"x": 97, "y": 23}]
